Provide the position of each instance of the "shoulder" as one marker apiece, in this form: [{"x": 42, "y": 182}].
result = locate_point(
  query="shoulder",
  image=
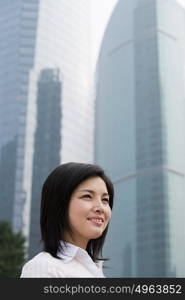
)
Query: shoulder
[{"x": 42, "y": 265}]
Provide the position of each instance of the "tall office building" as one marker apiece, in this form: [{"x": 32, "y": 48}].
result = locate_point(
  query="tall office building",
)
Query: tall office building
[
  {"x": 47, "y": 145},
  {"x": 18, "y": 23},
  {"x": 140, "y": 111},
  {"x": 37, "y": 35}
]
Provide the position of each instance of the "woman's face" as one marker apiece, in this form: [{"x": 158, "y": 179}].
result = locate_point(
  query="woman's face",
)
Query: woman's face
[{"x": 89, "y": 212}]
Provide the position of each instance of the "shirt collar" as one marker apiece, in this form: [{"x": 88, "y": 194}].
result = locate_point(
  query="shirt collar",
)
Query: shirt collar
[{"x": 70, "y": 251}]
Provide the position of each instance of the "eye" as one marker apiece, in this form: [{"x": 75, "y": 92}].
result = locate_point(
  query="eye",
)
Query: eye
[
  {"x": 86, "y": 196},
  {"x": 105, "y": 200}
]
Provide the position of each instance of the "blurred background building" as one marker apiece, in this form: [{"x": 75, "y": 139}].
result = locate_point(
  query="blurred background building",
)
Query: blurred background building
[
  {"x": 47, "y": 143},
  {"x": 46, "y": 102},
  {"x": 19, "y": 20},
  {"x": 128, "y": 117},
  {"x": 140, "y": 109}
]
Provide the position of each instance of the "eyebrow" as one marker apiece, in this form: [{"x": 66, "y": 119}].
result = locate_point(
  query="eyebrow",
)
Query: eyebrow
[{"x": 93, "y": 192}]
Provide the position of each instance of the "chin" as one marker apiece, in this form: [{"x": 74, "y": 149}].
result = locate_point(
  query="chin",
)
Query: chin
[{"x": 96, "y": 235}]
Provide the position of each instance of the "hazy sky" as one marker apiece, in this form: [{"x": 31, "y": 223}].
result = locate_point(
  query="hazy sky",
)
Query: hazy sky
[
  {"x": 101, "y": 11},
  {"x": 181, "y": 2}
]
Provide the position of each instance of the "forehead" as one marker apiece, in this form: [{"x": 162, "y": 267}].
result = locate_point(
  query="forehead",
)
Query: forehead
[{"x": 95, "y": 184}]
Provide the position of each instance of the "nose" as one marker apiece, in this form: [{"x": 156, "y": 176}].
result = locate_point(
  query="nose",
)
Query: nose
[{"x": 98, "y": 206}]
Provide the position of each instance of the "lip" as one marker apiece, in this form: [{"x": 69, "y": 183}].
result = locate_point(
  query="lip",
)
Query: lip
[{"x": 96, "y": 220}]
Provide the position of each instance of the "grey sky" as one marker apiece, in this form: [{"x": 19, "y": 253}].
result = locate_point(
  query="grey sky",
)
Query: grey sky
[{"x": 100, "y": 13}]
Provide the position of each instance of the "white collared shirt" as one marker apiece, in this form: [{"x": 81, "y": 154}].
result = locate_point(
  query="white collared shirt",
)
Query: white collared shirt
[{"x": 74, "y": 262}]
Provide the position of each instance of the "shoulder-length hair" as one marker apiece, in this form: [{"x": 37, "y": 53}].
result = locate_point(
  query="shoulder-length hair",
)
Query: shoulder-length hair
[{"x": 56, "y": 193}]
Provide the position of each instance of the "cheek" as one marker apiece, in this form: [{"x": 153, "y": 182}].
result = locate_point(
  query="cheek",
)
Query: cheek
[
  {"x": 78, "y": 209},
  {"x": 108, "y": 213}
]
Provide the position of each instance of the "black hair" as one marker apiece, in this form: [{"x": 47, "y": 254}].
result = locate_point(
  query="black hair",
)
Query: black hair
[{"x": 56, "y": 193}]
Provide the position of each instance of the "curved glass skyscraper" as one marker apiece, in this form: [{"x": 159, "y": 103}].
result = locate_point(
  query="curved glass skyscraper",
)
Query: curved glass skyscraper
[{"x": 140, "y": 123}]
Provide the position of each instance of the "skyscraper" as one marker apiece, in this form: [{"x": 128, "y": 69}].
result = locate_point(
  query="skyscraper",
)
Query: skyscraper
[
  {"x": 17, "y": 43},
  {"x": 139, "y": 124},
  {"x": 47, "y": 145},
  {"x": 35, "y": 36}
]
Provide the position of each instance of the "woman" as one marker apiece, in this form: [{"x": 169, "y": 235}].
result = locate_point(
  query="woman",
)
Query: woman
[{"x": 76, "y": 206}]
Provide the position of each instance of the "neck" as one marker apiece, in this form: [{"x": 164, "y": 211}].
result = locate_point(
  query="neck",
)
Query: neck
[{"x": 77, "y": 242}]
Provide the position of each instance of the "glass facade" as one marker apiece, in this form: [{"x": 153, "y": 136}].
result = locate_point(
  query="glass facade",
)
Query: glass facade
[
  {"x": 139, "y": 123},
  {"x": 17, "y": 43},
  {"x": 36, "y": 36},
  {"x": 47, "y": 145}
]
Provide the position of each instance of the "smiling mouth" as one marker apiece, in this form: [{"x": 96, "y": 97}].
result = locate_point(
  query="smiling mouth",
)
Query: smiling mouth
[{"x": 96, "y": 220}]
